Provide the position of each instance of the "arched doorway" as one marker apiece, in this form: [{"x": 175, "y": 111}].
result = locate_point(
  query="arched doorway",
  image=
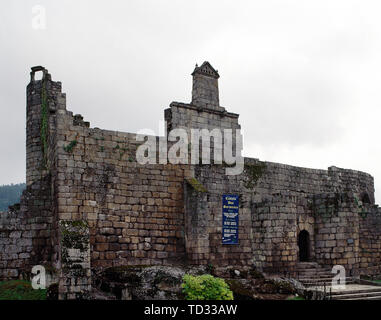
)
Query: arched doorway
[{"x": 304, "y": 245}]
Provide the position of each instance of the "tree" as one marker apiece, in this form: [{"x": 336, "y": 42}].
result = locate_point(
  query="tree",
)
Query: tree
[{"x": 10, "y": 194}]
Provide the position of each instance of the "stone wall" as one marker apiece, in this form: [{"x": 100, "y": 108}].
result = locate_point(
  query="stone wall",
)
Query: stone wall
[
  {"x": 277, "y": 202},
  {"x": 369, "y": 239},
  {"x": 135, "y": 212},
  {"x": 274, "y": 224},
  {"x": 26, "y": 233},
  {"x": 337, "y": 231},
  {"x": 15, "y": 245}
]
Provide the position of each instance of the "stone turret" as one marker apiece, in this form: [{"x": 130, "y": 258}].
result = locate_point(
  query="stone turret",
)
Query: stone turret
[
  {"x": 36, "y": 126},
  {"x": 44, "y": 98},
  {"x": 205, "y": 87}
]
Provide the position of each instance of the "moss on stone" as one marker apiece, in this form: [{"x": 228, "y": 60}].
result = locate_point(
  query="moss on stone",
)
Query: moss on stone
[
  {"x": 196, "y": 185},
  {"x": 75, "y": 270},
  {"x": 74, "y": 235},
  {"x": 44, "y": 123}
]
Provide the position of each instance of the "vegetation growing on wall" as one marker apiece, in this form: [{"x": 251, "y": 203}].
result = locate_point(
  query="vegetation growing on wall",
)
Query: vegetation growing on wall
[
  {"x": 253, "y": 172},
  {"x": 196, "y": 185},
  {"x": 44, "y": 123},
  {"x": 69, "y": 148},
  {"x": 121, "y": 150},
  {"x": 362, "y": 212}
]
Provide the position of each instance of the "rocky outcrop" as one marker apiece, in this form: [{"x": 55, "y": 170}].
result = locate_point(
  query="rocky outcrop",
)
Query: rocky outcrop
[{"x": 164, "y": 283}]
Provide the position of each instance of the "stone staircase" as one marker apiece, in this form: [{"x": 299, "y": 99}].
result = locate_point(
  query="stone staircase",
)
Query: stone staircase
[
  {"x": 357, "y": 292},
  {"x": 311, "y": 274},
  {"x": 316, "y": 277}
]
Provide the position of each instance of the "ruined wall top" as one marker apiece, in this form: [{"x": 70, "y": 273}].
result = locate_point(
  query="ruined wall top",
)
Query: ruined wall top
[{"x": 45, "y": 73}]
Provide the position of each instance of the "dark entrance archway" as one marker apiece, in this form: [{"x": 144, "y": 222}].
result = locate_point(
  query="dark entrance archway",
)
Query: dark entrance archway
[{"x": 304, "y": 245}]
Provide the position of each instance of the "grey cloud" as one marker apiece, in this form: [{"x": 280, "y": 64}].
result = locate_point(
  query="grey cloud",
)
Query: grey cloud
[{"x": 296, "y": 71}]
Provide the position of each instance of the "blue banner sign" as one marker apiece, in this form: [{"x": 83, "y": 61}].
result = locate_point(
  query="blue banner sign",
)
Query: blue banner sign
[{"x": 230, "y": 208}]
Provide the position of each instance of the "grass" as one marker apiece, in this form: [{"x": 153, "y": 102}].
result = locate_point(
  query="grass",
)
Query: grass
[
  {"x": 20, "y": 290},
  {"x": 377, "y": 281},
  {"x": 295, "y": 298}
]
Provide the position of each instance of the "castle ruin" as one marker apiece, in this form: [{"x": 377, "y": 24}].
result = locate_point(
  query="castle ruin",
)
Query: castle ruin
[{"x": 89, "y": 205}]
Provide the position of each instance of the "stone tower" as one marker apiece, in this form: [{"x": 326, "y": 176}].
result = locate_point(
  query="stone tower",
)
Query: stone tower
[
  {"x": 204, "y": 111},
  {"x": 36, "y": 126},
  {"x": 205, "y": 87},
  {"x": 44, "y": 99}
]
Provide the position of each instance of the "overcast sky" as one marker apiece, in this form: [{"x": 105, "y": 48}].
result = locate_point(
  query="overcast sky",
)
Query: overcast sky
[{"x": 305, "y": 76}]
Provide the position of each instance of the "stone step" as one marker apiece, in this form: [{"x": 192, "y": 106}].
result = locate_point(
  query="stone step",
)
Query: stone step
[
  {"x": 314, "y": 275},
  {"x": 366, "y": 298},
  {"x": 304, "y": 278},
  {"x": 313, "y": 272},
  {"x": 313, "y": 269},
  {"x": 307, "y": 265},
  {"x": 335, "y": 293},
  {"x": 357, "y": 296},
  {"x": 322, "y": 279},
  {"x": 330, "y": 277},
  {"x": 327, "y": 284},
  {"x": 329, "y": 281},
  {"x": 318, "y": 285}
]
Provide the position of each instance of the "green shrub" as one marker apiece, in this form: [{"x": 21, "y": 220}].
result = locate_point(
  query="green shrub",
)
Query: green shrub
[
  {"x": 20, "y": 290},
  {"x": 295, "y": 298},
  {"x": 205, "y": 287}
]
